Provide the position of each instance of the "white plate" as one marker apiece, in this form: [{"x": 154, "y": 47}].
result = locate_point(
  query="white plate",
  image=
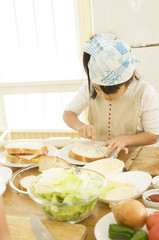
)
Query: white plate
[
  {"x": 63, "y": 153},
  {"x": 139, "y": 178},
  {"x": 102, "y": 226},
  {"x": 52, "y": 151},
  {"x": 5, "y": 174}
]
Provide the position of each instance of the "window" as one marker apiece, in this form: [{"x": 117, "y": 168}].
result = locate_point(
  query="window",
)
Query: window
[{"x": 40, "y": 60}]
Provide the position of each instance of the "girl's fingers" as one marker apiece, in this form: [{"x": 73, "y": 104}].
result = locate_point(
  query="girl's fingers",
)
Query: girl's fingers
[
  {"x": 114, "y": 146},
  {"x": 109, "y": 152},
  {"x": 125, "y": 149},
  {"x": 89, "y": 132},
  {"x": 83, "y": 132},
  {"x": 118, "y": 149}
]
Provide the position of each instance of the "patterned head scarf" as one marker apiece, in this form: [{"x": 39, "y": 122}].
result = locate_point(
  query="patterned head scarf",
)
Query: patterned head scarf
[{"x": 112, "y": 61}]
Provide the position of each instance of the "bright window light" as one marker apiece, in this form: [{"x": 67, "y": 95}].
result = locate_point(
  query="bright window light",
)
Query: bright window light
[{"x": 39, "y": 40}]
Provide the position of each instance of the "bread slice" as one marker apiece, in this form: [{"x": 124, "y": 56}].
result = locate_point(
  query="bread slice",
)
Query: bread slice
[
  {"x": 29, "y": 147},
  {"x": 26, "y": 159},
  {"x": 87, "y": 152},
  {"x": 46, "y": 162},
  {"x": 26, "y": 181},
  {"x": 121, "y": 193}
]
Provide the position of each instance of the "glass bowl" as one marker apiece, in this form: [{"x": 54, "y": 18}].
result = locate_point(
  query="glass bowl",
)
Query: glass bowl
[{"x": 75, "y": 206}]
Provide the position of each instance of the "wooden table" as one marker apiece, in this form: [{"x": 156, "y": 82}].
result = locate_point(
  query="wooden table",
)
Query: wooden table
[{"x": 17, "y": 204}]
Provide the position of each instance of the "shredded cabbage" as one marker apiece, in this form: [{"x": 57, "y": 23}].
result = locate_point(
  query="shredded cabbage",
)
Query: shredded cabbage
[{"x": 57, "y": 185}]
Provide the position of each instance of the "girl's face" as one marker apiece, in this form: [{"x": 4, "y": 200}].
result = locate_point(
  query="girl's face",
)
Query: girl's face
[{"x": 112, "y": 96}]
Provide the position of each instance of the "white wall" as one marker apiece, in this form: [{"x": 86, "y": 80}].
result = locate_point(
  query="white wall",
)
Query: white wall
[{"x": 135, "y": 21}]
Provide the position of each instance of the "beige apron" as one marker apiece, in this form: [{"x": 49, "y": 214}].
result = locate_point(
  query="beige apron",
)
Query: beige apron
[{"x": 114, "y": 118}]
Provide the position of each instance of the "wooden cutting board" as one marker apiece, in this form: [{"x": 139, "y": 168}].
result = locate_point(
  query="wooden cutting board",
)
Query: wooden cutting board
[
  {"x": 20, "y": 229},
  {"x": 145, "y": 159}
]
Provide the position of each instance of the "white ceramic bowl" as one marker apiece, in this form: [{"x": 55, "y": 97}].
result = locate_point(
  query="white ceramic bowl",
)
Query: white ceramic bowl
[
  {"x": 106, "y": 166},
  {"x": 5, "y": 174},
  {"x": 155, "y": 182},
  {"x": 140, "y": 179},
  {"x": 148, "y": 203}
]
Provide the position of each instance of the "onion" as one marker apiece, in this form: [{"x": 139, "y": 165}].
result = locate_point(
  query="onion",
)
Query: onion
[{"x": 130, "y": 213}]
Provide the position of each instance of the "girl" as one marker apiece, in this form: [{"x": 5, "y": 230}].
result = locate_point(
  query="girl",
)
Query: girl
[{"x": 123, "y": 110}]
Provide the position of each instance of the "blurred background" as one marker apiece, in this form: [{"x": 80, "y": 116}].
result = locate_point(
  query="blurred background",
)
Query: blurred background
[{"x": 41, "y": 55}]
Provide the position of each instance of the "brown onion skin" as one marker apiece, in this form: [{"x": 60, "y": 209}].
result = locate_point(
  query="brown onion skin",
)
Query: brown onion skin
[{"x": 130, "y": 213}]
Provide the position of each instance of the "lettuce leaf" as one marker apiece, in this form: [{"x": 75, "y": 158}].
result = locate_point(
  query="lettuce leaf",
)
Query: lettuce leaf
[{"x": 59, "y": 186}]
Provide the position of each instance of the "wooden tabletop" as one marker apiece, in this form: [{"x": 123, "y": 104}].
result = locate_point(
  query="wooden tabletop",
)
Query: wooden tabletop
[{"x": 21, "y": 205}]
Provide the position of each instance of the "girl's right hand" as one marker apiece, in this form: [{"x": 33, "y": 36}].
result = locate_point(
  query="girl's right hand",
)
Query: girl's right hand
[{"x": 87, "y": 131}]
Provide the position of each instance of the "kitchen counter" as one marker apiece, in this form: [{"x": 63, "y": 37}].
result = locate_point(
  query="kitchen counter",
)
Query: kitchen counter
[{"x": 17, "y": 204}]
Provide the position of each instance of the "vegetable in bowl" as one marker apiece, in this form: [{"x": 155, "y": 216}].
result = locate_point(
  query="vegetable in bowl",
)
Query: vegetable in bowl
[{"x": 67, "y": 194}]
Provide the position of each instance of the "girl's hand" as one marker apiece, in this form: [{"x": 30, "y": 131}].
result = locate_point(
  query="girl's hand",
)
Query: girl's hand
[
  {"x": 117, "y": 144},
  {"x": 87, "y": 131}
]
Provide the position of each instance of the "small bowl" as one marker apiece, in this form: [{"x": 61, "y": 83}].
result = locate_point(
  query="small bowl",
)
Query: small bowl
[
  {"x": 148, "y": 203},
  {"x": 155, "y": 182},
  {"x": 106, "y": 166},
  {"x": 5, "y": 174},
  {"x": 72, "y": 211}
]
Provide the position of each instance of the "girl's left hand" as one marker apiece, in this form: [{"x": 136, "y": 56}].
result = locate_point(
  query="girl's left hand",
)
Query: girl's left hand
[{"x": 117, "y": 144}]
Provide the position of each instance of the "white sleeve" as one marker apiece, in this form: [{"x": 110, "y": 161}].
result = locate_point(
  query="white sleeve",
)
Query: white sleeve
[
  {"x": 80, "y": 100},
  {"x": 150, "y": 110}
]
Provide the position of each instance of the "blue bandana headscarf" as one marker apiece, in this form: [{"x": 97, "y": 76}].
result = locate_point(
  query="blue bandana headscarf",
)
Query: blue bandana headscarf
[{"x": 112, "y": 61}]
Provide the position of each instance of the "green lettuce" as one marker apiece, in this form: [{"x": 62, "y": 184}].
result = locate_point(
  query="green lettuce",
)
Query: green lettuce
[{"x": 57, "y": 186}]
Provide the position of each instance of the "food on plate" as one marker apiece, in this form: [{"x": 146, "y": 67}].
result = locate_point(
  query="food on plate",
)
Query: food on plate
[
  {"x": 116, "y": 231},
  {"x": 154, "y": 232},
  {"x": 140, "y": 235},
  {"x": 46, "y": 162},
  {"x": 152, "y": 219},
  {"x": 25, "y": 152},
  {"x": 87, "y": 152},
  {"x": 25, "y": 182},
  {"x": 130, "y": 213},
  {"x": 118, "y": 189}
]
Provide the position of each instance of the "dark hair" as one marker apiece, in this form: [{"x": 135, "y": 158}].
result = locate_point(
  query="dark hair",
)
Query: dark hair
[{"x": 106, "y": 89}]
